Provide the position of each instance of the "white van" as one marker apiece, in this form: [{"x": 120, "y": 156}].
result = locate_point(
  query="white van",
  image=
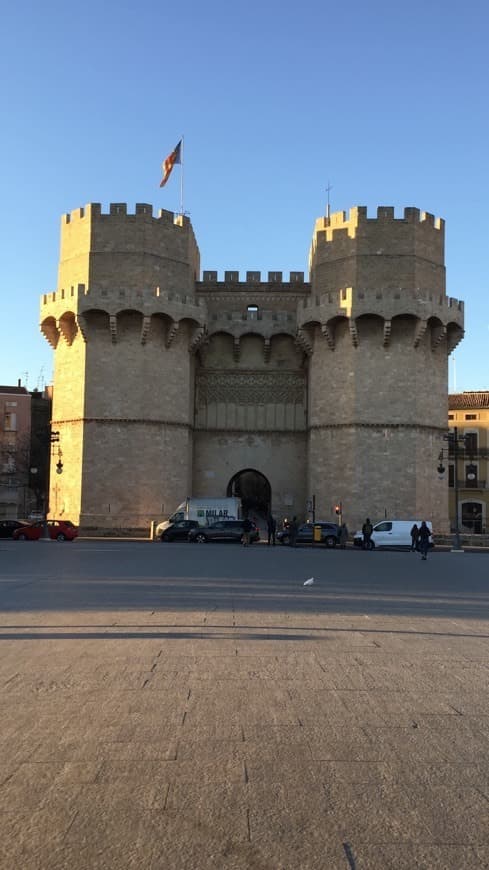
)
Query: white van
[{"x": 392, "y": 533}]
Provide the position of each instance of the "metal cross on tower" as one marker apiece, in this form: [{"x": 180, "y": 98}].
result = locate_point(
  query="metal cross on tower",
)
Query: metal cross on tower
[{"x": 328, "y": 207}]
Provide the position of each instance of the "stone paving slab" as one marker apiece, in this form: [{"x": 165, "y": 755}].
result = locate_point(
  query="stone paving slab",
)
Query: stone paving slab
[{"x": 190, "y": 709}]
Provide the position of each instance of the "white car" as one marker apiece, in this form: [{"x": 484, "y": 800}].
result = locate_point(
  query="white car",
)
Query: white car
[{"x": 392, "y": 533}]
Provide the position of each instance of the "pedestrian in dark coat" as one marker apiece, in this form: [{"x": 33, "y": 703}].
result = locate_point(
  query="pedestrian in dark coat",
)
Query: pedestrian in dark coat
[
  {"x": 367, "y": 530},
  {"x": 272, "y": 528},
  {"x": 293, "y": 529},
  {"x": 414, "y": 538},
  {"x": 424, "y": 540}
]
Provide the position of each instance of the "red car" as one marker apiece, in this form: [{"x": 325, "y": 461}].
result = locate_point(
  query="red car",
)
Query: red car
[{"x": 59, "y": 530}]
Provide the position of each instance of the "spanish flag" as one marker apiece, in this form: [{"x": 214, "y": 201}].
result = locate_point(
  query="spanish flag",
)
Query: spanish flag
[{"x": 169, "y": 163}]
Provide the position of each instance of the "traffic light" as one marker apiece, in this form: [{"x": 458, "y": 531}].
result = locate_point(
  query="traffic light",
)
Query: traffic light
[{"x": 337, "y": 508}]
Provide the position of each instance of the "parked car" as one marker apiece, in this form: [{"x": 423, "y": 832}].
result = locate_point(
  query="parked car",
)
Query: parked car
[
  {"x": 223, "y": 530},
  {"x": 59, "y": 530},
  {"x": 8, "y": 527},
  {"x": 391, "y": 533},
  {"x": 178, "y": 531},
  {"x": 330, "y": 533}
]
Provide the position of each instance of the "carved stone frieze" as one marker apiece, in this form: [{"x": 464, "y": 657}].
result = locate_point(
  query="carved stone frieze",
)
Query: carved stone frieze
[{"x": 250, "y": 388}]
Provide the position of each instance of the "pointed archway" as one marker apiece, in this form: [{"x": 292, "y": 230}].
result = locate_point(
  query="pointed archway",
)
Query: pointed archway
[{"x": 254, "y": 490}]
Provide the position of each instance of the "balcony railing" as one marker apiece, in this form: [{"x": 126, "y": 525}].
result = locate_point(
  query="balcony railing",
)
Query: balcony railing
[
  {"x": 469, "y": 484},
  {"x": 467, "y": 453}
]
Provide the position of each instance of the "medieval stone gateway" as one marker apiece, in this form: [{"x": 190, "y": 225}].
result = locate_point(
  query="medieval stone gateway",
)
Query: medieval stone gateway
[{"x": 169, "y": 383}]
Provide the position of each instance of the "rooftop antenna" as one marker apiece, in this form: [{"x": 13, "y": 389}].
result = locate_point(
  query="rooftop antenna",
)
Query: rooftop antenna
[
  {"x": 25, "y": 376},
  {"x": 41, "y": 380},
  {"x": 328, "y": 207}
]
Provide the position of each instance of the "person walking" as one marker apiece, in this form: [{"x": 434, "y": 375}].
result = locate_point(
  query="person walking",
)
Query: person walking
[
  {"x": 247, "y": 526},
  {"x": 293, "y": 529},
  {"x": 414, "y": 538},
  {"x": 424, "y": 540},
  {"x": 367, "y": 530},
  {"x": 343, "y": 535},
  {"x": 272, "y": 528}
]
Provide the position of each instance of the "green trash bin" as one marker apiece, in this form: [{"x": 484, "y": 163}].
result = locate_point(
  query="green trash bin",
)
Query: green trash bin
[{"x": 317, "y": 534}]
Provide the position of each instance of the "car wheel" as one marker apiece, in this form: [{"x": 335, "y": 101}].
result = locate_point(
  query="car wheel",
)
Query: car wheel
[
  {"x": 330, "y": 541},
  {"x": 61, "y": 537},
  {"x": 201, "y": 539},
  {"x": 22, "y": 537}
]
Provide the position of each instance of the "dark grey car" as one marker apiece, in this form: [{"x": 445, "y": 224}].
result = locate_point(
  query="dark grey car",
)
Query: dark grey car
[
  {"x": 305, "y": 535},
  {"x": 223, "y": 530},
  {"x": 178, "y": 531}
]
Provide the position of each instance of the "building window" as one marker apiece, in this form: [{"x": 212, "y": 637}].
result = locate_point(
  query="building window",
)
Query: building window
[
  {"x": 471, "y": 442},
  {"x": 252, "y": 312},
  {"x": 10, "y": 421},
  {"x": 471, "y": 416},
  {"x": 451, "y": 416}
]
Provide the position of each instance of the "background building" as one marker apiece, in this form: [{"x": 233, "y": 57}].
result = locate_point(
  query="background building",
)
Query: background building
[
  {"x": 170, "y": 384},
  {"x": 15, "y": 438},
  {"x": 469, "y": 413},
  {"x": 24, "y": 451}
]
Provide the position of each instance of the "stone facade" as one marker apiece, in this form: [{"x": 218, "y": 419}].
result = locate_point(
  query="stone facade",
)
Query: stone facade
[{"x": 168, "y": 385}]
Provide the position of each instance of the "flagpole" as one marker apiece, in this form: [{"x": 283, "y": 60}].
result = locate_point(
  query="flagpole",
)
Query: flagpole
[{"x": 181, "y": 178}]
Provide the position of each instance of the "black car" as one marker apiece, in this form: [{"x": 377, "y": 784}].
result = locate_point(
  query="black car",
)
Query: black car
[
  {"x": 223, "y": 530},
  {"x": 330, "y": 533},
  {"x": 178, "y": 531},
  {"x": 8, "y": 527}
]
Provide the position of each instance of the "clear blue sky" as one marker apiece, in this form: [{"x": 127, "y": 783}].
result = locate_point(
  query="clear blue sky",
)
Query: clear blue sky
[{"x": 387, "y": 100}]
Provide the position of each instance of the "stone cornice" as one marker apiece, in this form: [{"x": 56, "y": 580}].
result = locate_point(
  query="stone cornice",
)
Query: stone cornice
[
  {"x": 131, "y": 420},
  {"x": 359, "y": 425}
]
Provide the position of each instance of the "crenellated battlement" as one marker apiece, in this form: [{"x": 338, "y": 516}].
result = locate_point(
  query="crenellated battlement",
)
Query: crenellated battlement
[
  {"x": 385, "y": 214},
  {"x": 387, "y": 304},
  {"x": 83, "y": 297},
  {"x": 231, "y": 282},
  {"x": 147, "y": 301},
  {"x": 143, "y": 210}
]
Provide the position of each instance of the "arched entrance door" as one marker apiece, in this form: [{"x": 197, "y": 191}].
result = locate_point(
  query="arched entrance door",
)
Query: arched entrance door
[{"x": 253, "y": 489}]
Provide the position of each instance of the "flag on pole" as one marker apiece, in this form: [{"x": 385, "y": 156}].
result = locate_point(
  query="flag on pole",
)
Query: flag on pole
[{"x": 169, "y": 163}]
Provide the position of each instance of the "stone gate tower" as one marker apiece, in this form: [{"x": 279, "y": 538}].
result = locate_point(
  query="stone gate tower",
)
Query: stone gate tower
[
  {"x": 168, "y": 384},
  {"x": 379, "y": 327}
]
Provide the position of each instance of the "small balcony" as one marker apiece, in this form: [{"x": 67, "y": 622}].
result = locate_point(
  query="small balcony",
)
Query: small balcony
[{"x": 469, "y": 484}]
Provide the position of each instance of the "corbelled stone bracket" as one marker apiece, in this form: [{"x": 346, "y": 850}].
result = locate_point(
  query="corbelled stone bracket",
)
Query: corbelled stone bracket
[
  {"x": 267, "y": 347},
  {"x": 419, "y": 332},
  {"x": 113, "y": 328},
  {"x": 387, "y": 333},
  {"x": 353, "y": 332},
  {"x": 82, "y": 326},
  {"x": 437, "y": 336},
  {"x": 145, "y": 329},
  {"x": 329, "y": 335},
  {"x": 171, "y": 334},
  {"x": 236, "y": 349},
  {"x": 199, "y": 338},
  {"x": 303, "y": 341}
]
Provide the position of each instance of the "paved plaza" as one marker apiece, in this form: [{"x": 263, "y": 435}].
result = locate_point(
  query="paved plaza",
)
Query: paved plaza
[{"x": 186, "y": 707}]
